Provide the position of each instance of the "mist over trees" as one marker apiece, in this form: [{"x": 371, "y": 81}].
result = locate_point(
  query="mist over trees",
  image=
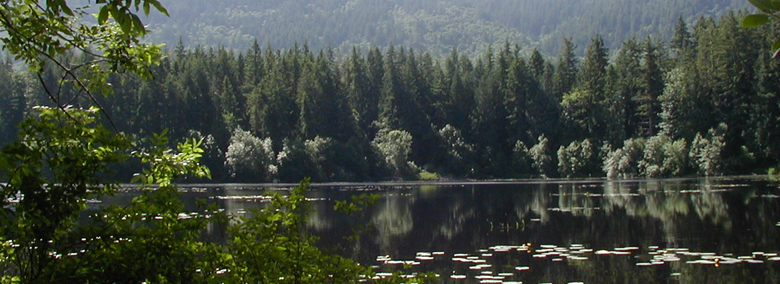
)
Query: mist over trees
[
  {"x": 699, "y": 103},
  {"x": 431, "y": 26}
]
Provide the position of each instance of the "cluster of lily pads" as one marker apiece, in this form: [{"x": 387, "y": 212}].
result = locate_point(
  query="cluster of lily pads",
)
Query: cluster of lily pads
[{"x": 481, "y": 270}]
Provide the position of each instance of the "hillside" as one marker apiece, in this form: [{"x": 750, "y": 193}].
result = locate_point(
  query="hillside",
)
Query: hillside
[{"x": 434, "y": 26}]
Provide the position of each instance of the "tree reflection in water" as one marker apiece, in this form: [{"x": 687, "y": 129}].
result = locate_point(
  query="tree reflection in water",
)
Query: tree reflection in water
[
  {"x": 722, "y": 218},
  {"x": 683, "y": 230}
]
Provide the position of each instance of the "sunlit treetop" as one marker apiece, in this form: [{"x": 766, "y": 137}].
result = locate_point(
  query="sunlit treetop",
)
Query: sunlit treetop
[{"x": 38, "y": 32}]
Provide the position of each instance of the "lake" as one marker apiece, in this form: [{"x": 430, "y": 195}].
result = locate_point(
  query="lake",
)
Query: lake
[{"x": 717, "y": 230}]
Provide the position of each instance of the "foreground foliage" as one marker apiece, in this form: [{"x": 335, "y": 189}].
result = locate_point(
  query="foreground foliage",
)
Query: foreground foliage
[{"x": 55, "y": 169}]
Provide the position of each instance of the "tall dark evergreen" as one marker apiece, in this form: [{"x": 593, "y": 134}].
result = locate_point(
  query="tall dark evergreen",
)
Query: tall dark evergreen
[
  {"x": 254, "y": 63},
  {"x": 765, "y": 116},
  {"x": 593, "y": 71},
  {"x": 392, "y": 90},
  {"x": 626, "y": 89},
  {"x": 730, "y": 73},
  {"x": 681, "y": 41},
  {"x": 275, "y": 112},
  {"x": 521, "y": 88},
  {"x": 584, "y": 106},
  {"x": 652, "y": 87},
  {"x": 489, "y": 118},
  {"x": 566, "y": 71}
]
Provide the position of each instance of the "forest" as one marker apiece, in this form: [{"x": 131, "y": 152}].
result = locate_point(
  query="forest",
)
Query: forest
[
  {"x": 431, "y": 26},
  {"x": 697, "y": 103}
]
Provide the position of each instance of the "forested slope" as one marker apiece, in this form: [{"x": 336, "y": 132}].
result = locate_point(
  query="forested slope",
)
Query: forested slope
[
  {"x": 433, "y": 26},
  {"x": 699, "y": 103}
]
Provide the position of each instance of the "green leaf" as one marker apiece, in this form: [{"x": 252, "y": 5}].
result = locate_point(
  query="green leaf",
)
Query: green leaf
[
  {"x": 159, "y": 7},
  {"x": 66, "y": 9},
  {"x": 776, "y": 48},
  {"x": 755, "y": 20},
  {"x": 763, "y": 5},
  {"x": 103, "y": 15},
  {"x": 776, "y": 45},
  {"x": 146, "y": 8},
  {"x": 137, "y": 25}
]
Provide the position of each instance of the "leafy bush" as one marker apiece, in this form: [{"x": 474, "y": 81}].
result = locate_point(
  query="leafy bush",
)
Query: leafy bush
[
  {"x": 706, "y": 152},
  {"x": 249, "y": 157},
  {"x": 675, "y": 158},
  {"x": 623, "y": 162},
  {"x": 395, "y": 146},
  {"x": 271, "y": 246},
  {"x": 459, "y": 152},
  {"x": 52, "y": 170},
  {"x": 540, "y": 156},
  {"x": 575, "y": 159}
]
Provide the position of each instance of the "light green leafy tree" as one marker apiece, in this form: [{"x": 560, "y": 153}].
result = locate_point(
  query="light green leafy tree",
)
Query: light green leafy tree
[
  {"x": 521, "y": 159},
  {"x": 540, "y": 155},
  {"x": 707, "y": 151},
  {"x": 51, "y": 170},
  {"x": 623, "y": 162},
  {"x": 249, "y": 157},
  {"x": 395, "y": 146},
  {"x": 663, "y": 157},
  {"x": 575, "y": 158},
  {"x": 459, "y": 152}
]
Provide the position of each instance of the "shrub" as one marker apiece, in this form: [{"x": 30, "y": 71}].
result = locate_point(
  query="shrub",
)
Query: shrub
[
  {"x": 249, "y": 158},
  {"x": 675, "y": 158},
  {"x": 395, "y": 146},
  {"x": 706, "y": 152},
  {"x": 623, "y": 162},
  {"x": 540, "y": 156},
  {"x": 652, "y": 161},
  {"x": 458, "y": 152},
  {"x": 575, "y": 159}
]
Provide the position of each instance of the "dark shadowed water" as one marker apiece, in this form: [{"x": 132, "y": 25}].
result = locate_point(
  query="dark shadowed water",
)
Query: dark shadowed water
[{"x": 723, "y": 230}]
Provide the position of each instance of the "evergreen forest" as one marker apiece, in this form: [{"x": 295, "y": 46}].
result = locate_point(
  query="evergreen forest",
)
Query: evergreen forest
[
  {"x": 703, "y": 101},
  {"x": 431, "y": 26}
]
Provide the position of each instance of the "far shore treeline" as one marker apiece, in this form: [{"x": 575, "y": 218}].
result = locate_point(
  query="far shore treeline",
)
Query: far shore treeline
[{"x": 703, "y": 102}]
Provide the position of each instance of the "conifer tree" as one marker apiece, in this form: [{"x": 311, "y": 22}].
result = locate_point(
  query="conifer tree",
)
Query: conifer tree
[
  {"x": 566, "y": 72},
  {"x": 652, "y": 87},
  {"x": 681, "y": 41},
  {"x": 626, "y": 90}
]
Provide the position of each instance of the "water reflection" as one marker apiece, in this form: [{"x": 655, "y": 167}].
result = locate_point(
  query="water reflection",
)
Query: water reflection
[
  {"x": 717, "y": 218},
  {"x": 655, "y": 231}
]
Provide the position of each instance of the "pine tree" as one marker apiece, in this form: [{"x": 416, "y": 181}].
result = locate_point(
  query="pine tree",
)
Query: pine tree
[
  {"x": 652, "y": 87},
  {"x": 357, "y": 86},
  {"x": 681, "y": 39},
  {"x": 489, "y": 118},
  {"x": 626, "y": 90},
  {"x": 566, "y": 73},
  {"x": 590, "y": 91},
  {"x": 254, "y": 66}
]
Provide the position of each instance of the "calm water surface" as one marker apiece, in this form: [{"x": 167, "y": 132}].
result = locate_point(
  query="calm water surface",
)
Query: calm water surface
[{"x": 648, "y": 231}]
